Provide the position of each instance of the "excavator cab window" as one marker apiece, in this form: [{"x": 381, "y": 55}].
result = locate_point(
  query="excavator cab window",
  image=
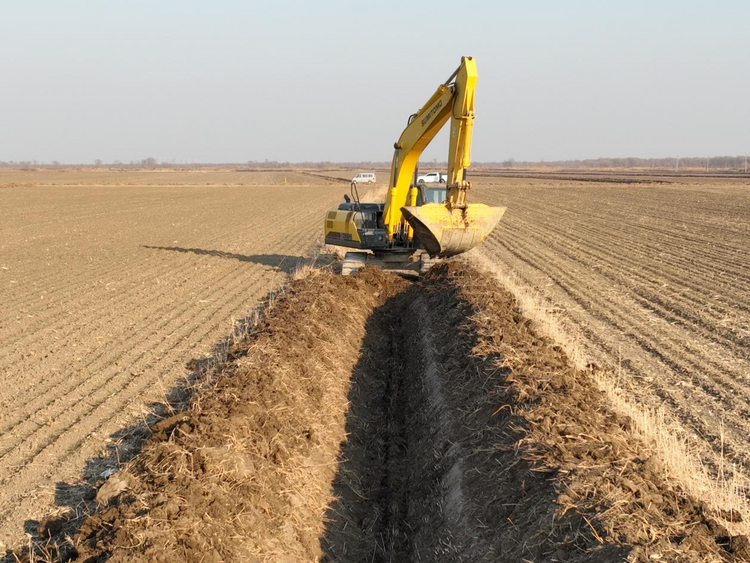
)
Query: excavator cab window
[
  {"x": 432, "y": 195},
  {"x": 366, "y": 220}
]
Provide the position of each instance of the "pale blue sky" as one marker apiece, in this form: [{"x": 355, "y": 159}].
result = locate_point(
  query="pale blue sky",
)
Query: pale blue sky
[{"x": 235, "y": 81}]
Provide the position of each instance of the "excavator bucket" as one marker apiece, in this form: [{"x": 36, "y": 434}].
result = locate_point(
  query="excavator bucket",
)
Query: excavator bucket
[{"x": 444, "y": 232}]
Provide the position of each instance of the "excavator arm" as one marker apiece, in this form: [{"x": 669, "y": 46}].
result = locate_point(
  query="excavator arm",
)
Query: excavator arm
[
  {"x": 423, "y": 127},
  {"x": 453, "y": 226}
]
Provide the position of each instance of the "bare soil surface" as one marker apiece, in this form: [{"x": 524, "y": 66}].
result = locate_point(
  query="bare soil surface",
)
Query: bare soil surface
[
  {"x": 368, "y": 419},
  {"x": 109, "y": 283},
  {"x": 657, "y": 277},
  {"x": 374, "y": 419}
]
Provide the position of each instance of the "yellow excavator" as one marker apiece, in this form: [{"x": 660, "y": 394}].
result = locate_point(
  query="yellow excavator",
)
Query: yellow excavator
[{"x": 419, "y": 223}]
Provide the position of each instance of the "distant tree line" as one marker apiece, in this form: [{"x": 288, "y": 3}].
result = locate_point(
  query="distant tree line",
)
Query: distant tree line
[
  {"x": 670, "y": 163},
  {"x": 151, "y": 163}
]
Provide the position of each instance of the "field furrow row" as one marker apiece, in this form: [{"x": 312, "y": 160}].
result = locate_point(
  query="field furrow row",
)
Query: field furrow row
[
  {"x": 656, "y": 279},
  {"x": 108, "y": 293},
  {"x": 641, "y": 277}
]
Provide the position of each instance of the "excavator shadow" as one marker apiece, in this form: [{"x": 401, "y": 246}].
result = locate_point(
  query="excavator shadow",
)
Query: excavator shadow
[{"x": 285, "y": 263}]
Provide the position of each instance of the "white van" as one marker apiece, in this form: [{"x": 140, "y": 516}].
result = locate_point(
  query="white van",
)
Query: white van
[{"x": 364, "y": 178}]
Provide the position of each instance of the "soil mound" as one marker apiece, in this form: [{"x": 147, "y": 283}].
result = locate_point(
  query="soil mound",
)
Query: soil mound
[
  {"x": 245, "y": 473},
  {"x": 374, "y": 419}
]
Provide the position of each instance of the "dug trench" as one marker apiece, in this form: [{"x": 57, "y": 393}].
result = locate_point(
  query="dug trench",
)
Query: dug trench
[{"x": 370, "y": 418}]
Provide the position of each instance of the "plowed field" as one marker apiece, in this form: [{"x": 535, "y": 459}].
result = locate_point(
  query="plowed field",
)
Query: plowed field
[
  {"x": 369, "y": 418},
  {"x": 657, "y": 278},
  {"x": 110, "y": 283}
]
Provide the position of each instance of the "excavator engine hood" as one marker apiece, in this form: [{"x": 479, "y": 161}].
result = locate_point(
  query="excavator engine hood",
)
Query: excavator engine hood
[{"x": 446, "y": 232}]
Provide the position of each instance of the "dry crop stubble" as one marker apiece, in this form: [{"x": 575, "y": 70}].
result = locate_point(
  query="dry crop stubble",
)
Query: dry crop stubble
[
  {"x": 656, "y": 300},
  {"x": 726, "y": 494}
]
